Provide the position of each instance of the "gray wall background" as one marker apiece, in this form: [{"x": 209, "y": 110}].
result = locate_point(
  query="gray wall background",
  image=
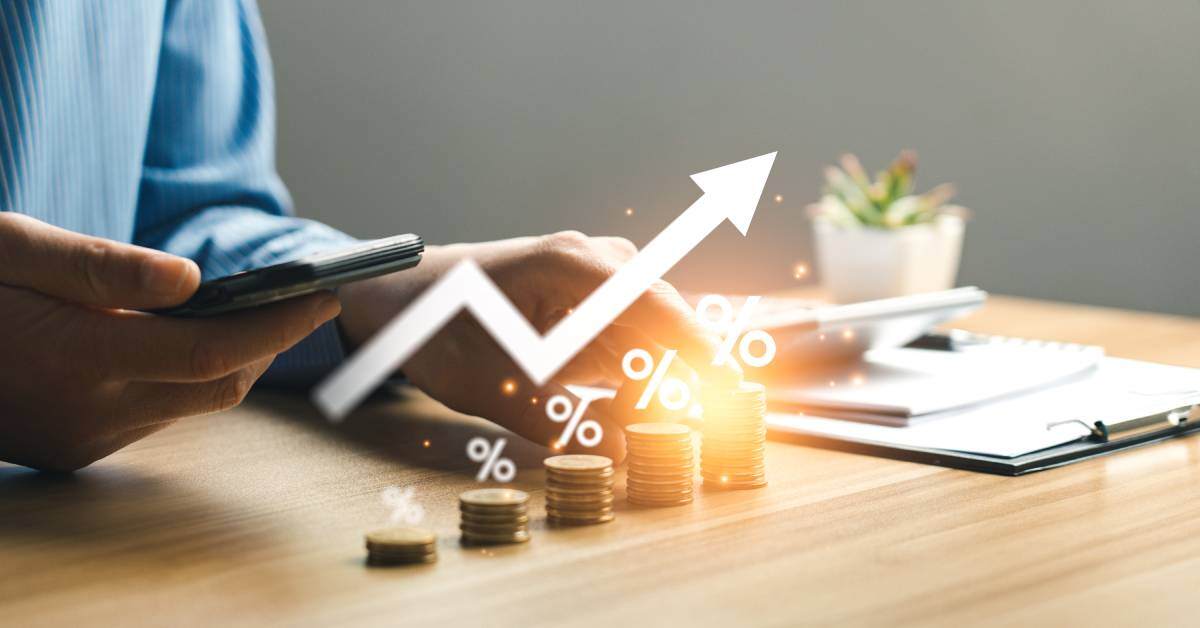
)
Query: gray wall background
[{"x": 1069, "y": 127}]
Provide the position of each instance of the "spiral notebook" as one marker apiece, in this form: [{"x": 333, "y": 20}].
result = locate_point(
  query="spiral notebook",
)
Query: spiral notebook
[{"x": 1086, "y": 405}]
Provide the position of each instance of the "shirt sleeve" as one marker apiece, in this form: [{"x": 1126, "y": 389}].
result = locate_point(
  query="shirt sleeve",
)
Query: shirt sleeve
[{"x": 209, "y": 189}]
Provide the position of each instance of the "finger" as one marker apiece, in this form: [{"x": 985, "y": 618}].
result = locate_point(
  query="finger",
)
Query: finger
[
  {"x": 666, "y": 318},
  {"x": 89, "y": 270},
  {"x": 619, "y": 249},
  {"x": 153, "y": 403},
  {"x": 158, "y": 348}
]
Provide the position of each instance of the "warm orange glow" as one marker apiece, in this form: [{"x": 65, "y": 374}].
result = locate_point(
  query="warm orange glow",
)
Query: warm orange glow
[
  {"x": 800, "y": 271},
  {"x": 628, "y": 211},
  {"x": 508, "y": 387},
  {"x": 848, "y": 334},
  {"x": 425, "y": 443},
  {"x": 832, "y": 383},
  {"x": 821, "y": 337},
  {"x": 858, "y": 379},
  {"x": 533, "y": 401},
  {"x": 724, "y": 479},
  {"x": 778, "y": 198}
]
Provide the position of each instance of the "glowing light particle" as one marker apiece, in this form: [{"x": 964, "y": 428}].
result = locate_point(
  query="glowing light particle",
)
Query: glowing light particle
[
  {"x": 628, "y": 211},
  {"x": 508, "y": 387},
  {"x": 425, "y": 443},
  {"x": 848, "y": 334},
  {"x": 778, "y": 198},
  {"x": 800, "y": 271}
]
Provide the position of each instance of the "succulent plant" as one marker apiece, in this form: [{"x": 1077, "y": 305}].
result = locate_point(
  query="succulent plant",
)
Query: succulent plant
[{"x": 851, "y": 199}]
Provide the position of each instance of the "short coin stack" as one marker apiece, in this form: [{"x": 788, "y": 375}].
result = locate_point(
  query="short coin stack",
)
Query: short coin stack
[
  {"x": 401, "y": 545},
  {"x": 494, "y": 516},
  {"x": 733, "y": 439},
  {"x": 579, "y": 490},
  {"x": 661, "y": 464}
]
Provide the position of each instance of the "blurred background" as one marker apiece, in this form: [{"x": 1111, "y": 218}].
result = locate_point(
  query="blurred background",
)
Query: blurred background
[{"x": 1069, "y": 128}]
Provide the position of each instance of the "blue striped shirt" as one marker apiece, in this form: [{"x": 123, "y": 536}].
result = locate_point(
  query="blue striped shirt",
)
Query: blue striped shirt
[{"x": 153, "y": 122}]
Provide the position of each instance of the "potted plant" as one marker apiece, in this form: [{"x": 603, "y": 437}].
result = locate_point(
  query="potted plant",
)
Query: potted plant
[{"x": 876, "y": 239}]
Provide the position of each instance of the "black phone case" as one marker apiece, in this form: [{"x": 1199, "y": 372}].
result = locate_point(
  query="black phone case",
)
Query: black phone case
[{"x": 294, "y": 278}]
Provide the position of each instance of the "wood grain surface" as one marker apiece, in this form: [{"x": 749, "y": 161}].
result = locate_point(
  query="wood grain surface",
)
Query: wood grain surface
[{"x": 256, "y": 516}]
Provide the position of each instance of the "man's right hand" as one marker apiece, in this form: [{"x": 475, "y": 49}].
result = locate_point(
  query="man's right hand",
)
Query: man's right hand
[{"x": 82, "y": 376}]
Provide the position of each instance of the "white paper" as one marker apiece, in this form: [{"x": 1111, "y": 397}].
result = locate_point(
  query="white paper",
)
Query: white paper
[
  {"x": 893, "y": 385},
  {"x": 1015, "y": 426}
]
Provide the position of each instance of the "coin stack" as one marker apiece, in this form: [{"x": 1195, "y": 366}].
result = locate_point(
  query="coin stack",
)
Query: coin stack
[
  {"x": 734, "y": 436},
  {"x": 401, "y": 545},
  {"x": 494, "y": 516},
  {"x": 661, "y": 464},
  {"x": 579, "y": 490}
]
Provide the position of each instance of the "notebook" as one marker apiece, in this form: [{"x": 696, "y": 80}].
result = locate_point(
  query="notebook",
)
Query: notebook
[{"x": 904, "y": 386}]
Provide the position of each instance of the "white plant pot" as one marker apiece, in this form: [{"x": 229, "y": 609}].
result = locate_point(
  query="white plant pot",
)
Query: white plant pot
[{"x": 861, "y": 264}]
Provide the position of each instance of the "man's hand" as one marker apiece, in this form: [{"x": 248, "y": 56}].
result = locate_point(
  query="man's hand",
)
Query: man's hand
[
  {"x": 80, "y": 377},
  {"x": 463, "y": 367}
]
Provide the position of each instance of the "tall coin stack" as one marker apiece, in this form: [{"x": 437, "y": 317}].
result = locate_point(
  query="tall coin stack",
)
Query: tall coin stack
[
  {"x": 494, "y": 516},
  {"x": 733, "y": 439},
  {"x": 579, "y": 490},
  {"x": 661, "y": 464}
]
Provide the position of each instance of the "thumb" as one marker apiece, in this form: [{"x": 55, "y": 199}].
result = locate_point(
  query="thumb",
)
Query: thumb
[{"x": 89, "y": 270}]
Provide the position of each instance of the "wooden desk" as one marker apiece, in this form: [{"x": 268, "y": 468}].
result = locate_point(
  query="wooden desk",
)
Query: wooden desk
[{"x": 257, "y": 515}]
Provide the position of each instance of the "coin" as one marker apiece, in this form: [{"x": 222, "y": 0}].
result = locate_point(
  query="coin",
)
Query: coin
[
  {"x": 401, "y": 545},
  {"x": 493, "y": 516},
  {"x": 733, "y": 437},
  {"x": 657, "y": 430},
  {"x": 499, "y": 539},
  {"x": 489, "y": 497},
  {"x": 578, "y": 463},
  {"x": 579, "y": 489}
]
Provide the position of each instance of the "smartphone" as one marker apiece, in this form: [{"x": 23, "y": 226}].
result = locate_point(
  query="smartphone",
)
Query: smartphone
[{"x": 321, "y": 271}]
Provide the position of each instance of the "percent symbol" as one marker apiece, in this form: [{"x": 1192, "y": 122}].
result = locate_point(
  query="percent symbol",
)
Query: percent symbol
[
  {"x": 499, "y": 469},
  {"x": 673, "y": 393},
  {"x": 561, "y": 409},
  {"x": 403, "y": 504},
  {"x": 734, "y": 327}
]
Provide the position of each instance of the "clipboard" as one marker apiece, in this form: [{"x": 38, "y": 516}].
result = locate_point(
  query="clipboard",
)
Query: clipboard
[
  {"x": 1105, "y": 437},
  {"x": 1088, "y": 415}
]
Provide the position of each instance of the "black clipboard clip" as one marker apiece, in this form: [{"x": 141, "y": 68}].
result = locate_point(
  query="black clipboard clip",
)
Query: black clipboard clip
[{"x": 1111, "y": 431}]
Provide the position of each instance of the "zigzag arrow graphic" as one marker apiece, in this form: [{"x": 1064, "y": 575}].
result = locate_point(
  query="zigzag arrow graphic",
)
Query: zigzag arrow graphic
[{"x": 730, "y": 192}]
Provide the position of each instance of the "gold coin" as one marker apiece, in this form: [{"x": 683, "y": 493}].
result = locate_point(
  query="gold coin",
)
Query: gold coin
[
  {"x": 660, "y": 487},
  {"x": 733, "y": 477},
  {"x": 661, "y": 472},
  {"x": 401, "y": 537},
  {"x": 491, "y": 530},
  {"x": 490, "y": 497},
  {"x": 575, "y": 520},
  {"x": 578, "y": 463},
  {"x": 580, "y": 498},
  {"x": 388, "y": 561},
  {"x": 732, "y": 485},
  {"x": 491, "y": 539},
  {"x": 494, "y": 519},
  {"x": 581, "y": 482},
  {"x": 660, "y": 503},
  {"x": 581, "y": 506},
  {"x": 658, "y": 430}
]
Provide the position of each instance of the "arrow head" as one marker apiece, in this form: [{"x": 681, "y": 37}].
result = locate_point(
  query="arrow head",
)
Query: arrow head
[{"x": 736, "y": 188}]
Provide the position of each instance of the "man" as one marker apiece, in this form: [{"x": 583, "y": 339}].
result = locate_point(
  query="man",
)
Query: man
[{"x": 149, "y": 126}]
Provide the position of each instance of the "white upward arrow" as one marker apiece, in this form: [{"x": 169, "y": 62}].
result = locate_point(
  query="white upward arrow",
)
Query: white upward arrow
[{"x": 730, "y": 192}]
